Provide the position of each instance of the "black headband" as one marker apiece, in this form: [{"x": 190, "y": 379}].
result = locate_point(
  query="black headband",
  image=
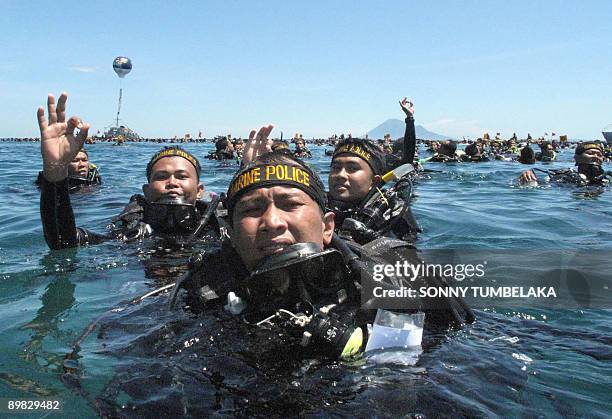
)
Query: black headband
[
  {"x": 173, "y": 151},
  {"x": 581, "y": 148},
  {"x": 364, "y": 149},
  {"x": 263, "y": 173}
]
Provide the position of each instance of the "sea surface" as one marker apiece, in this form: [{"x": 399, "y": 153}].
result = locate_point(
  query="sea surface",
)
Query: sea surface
[{"x": 140, "y": 359}]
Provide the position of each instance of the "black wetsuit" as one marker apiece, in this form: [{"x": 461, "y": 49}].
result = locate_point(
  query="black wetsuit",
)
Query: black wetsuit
[
  {"x": 61, "y": 231},
  {"x": 407, "y": 151},
  {"x": 203, "y": 360},
  {"x": 586, "y": 175},
  {"x": 218, "y": 273}
]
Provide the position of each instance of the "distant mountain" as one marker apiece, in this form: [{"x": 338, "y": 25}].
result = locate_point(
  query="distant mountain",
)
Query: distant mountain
[{"x": 396, "y": 128}]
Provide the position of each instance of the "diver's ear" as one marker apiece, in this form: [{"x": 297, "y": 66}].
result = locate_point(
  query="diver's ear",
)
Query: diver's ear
[
  {"x": 201, "y": 190},
  {"x": 328, "y": 227},
  {"x": 377, "y": 179}
]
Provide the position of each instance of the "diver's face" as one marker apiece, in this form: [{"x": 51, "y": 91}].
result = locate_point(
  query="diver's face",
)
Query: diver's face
[
  {"x": 299, "y": 145},
  {"x": 350, "y": 178},
  {"x": 79, "y": 166},
  {"x": 266, "y": 220},
  {"x": 173, "y": 176},
  {"x": 591, "y": 156}
]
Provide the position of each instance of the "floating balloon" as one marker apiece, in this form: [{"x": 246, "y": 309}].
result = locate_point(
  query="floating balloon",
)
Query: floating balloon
[{"x": 122, "y": 66}]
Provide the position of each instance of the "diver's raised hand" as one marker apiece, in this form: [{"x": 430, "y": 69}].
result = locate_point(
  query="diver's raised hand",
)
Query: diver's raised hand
[
  {"x": 407, "y": 107},
  {"x": 258, "y": 144},
  {"x": 58, "y": 142},
  {"x": 528, "y": 177}
]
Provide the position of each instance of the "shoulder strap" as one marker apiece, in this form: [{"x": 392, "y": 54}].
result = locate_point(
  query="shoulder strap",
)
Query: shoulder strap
[{"x": 133, "y": 211}]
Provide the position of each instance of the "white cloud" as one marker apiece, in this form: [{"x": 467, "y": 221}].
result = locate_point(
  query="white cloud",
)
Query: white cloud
[{"x": 82, "y": 69}]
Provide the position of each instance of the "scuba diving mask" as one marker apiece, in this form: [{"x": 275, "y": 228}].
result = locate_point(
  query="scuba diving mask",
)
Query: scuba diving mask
[
  {"x": 171, "y": 215},
  {"x": 301, "y": 279},
  {"x": 301, "y": 273}
]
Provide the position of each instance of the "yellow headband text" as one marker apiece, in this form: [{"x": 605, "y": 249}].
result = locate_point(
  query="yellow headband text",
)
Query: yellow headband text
[
  {"x": 354, "y": 149},
  {"x": 279, "y": 172}
]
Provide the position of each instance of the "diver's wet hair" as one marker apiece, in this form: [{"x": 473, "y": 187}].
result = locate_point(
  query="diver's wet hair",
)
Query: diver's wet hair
[
  {"x": 173, "y": 151},
  {"x": 365, "y": 149},
  {"x": 527, "y": 155},
  {"x": 448, "y": 146},
  {"x": 272, "y": 169},
  {"x": 222, "y": 144},
  {"x": 278, "y": 145}
]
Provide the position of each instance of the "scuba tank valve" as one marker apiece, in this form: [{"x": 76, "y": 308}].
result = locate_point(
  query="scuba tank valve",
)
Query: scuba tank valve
[{"x": 398, "y": 172}]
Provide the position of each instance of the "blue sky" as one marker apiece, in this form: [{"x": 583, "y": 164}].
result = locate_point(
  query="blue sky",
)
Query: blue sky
[{"x": 312, "y": 67}]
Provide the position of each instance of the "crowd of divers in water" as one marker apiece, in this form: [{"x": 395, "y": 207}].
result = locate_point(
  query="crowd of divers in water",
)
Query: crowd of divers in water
[{"x": 235, "y": 368}]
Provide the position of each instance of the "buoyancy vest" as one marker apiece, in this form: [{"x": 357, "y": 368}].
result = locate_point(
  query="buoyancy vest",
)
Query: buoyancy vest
[
  {"x": 381, "y": 213},
  {"x": 580, "y": 178},
  {"x": 130, "y": 225},
  {"x": 214, "y": 275}
]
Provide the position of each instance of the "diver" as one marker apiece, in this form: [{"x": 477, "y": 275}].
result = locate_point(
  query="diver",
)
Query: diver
[
  {"x": 170, "y": 207},
  {"x": 387, "y": 144},
  {"x": 81, "y": 173},
  {"x": 284, "y": 267},
  {"x": 238, "y": 145},
  {"x": 359, "y": 169},
  {"x": 474, "y": 153},
  {"x": 224, "y": 150},
  {"x": 510, "y": 147},
  {"x": 527, "y": 155},
  {"x": 547, "y": 152},
  {"x": 589, "y": 157},
  {"x": 301, "y": 150},
  {"x": 446, "y": 153}
]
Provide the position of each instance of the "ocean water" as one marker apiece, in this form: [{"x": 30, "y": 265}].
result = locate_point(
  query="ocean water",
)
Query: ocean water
[{"x": 141, "y": 359}]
